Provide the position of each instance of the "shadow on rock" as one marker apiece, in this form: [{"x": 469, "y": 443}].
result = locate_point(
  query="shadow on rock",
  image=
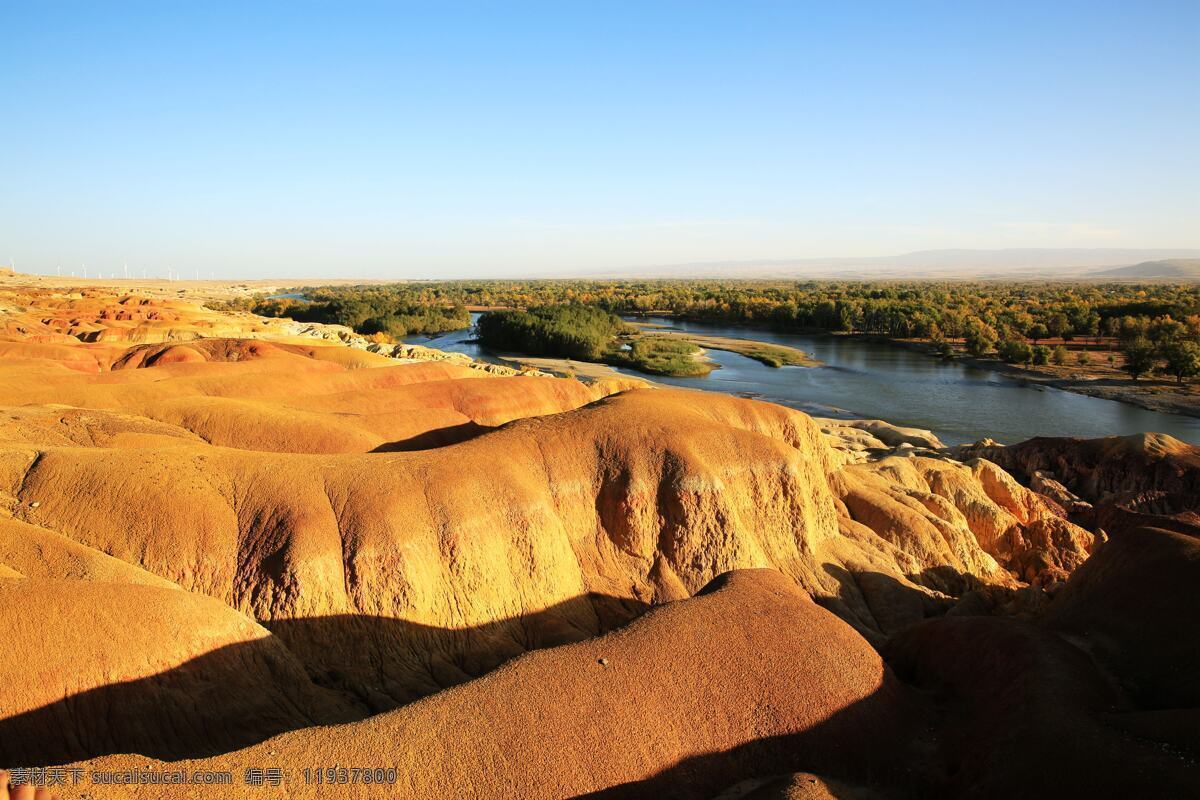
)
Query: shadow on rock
[
  {"x": 438, "y": 437},
  {"x": 879, "y": 605},
  {"x": 245, "y": 693},
  {"x": 868, "y": 744},
  {"x": 1098, "y": 698}
]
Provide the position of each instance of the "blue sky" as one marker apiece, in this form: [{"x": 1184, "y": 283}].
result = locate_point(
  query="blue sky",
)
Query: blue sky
[{"x": 463, "y": 139}]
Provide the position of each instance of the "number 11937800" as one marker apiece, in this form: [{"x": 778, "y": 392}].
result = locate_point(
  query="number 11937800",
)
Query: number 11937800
[{"x": 336, "y": 776}]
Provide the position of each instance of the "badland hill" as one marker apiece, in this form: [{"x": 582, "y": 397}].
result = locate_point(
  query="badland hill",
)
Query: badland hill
[{"x": 232, "y": 543}]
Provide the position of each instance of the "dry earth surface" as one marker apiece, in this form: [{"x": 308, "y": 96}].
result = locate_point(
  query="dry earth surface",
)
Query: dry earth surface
[{"x": 231, "y": 543}]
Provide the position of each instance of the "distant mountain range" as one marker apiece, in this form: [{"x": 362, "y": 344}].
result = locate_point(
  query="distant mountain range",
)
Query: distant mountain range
[
  {"x": 1183, "y": 269},
  {"x": 1024, "y": 263}
]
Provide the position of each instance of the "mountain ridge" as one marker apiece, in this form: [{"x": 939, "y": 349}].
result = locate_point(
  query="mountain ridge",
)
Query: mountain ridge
[
  {"x": 1033, "y": 263},
  {"x": 1165, "y": 269}
]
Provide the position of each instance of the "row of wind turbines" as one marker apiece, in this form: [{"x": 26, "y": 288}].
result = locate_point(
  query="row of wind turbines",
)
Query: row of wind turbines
[{"x": 172, "y": 273}]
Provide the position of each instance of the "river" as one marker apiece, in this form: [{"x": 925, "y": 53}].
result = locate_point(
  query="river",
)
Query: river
[{"x": 876, "y": 380}]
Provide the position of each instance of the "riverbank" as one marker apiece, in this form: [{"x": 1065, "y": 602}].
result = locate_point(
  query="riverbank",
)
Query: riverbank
[
  {"x": 1099, "y": 378},
  {"x": 561, "y": 367},
  {"x": 959, "y": 400},
  {"x": 1096, "y": 379},
  {"x": 1154, "y": 394}
]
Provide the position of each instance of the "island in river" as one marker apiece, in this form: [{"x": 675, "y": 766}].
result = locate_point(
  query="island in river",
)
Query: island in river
[{"x": 589, "y": 333}]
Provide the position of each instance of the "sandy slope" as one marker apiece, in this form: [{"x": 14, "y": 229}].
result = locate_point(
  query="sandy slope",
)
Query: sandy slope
[{"x": 750, "y": 676}]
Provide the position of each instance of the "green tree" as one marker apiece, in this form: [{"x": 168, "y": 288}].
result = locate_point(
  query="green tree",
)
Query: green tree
[
  {"x": 1041, "y": 354},
  {"x": 1165, "y": 330},
  {"x": 1133, "y": 328},
  {"x": 847, "y": 317},
  {"x": 981, "y": 339},
  {"x": 1038, "y": 331},
  {"x": 1059, "y": 356},
  {"x": 1112, "y": 329},
  {"x": 1140, "y": 357},
  {"x": 1183, "y": 359},
  {"x": 1059, "y": 325},
  {"x": 1091, "y": 328}
]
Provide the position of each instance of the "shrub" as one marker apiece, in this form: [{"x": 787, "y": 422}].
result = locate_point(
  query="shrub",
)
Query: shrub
[{"x": 1015, "y": 351}]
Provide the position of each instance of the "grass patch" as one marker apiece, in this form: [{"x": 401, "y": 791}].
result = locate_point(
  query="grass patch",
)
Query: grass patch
[
  {"x": 776, "y": 356},
  {"x": 773, "y": 355},
  {"x": 661, "y": 355}
]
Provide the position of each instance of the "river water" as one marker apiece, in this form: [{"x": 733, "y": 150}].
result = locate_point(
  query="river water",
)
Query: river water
[{"x": 875, "y": 380}]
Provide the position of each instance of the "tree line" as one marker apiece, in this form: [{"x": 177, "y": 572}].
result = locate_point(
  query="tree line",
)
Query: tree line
[
  {"x": 388, "y": 312},
  {"x": 1155, "y": 326}
]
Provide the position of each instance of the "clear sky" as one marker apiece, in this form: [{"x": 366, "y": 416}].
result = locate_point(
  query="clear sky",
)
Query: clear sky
[{"x": 451, "y": 139}]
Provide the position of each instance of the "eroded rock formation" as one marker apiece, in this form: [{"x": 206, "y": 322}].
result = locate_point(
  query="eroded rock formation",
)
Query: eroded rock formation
[{"x": 307, "y": 533}]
